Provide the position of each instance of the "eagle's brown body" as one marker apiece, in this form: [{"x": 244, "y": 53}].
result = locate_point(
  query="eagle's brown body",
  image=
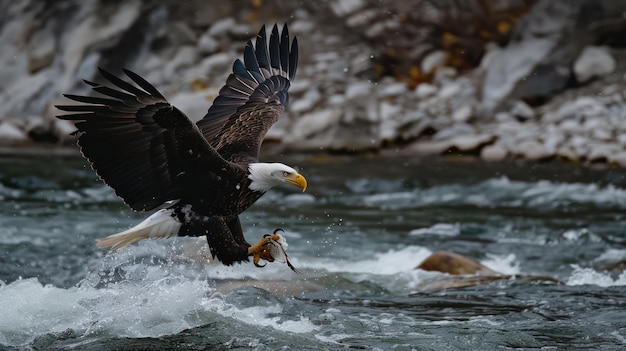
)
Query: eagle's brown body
[{"x": 150, "y": 153}]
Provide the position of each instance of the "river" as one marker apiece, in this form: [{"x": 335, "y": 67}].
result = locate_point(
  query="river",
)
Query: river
[{"x": 356, "y": 235}]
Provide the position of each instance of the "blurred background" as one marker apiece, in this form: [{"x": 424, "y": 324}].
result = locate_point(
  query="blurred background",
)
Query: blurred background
[{"x": 497, "y": 79}]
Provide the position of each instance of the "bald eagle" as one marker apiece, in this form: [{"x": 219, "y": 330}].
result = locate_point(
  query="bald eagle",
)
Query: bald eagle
[{"x": 201, "y": 175}]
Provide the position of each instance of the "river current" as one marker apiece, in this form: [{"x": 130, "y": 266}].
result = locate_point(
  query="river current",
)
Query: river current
[{"x": 356, "y": 235}]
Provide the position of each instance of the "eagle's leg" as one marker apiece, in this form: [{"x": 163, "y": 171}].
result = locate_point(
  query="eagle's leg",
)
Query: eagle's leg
[
  {"x": 261, "y": 250},
  {"x": 219, "y": 237}
]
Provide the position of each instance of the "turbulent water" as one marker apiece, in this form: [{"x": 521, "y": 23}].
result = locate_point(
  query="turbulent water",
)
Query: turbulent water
[{"x": 356, "y": 235}]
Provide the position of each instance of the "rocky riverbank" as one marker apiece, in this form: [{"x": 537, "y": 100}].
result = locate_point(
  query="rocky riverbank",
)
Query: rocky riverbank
[{"x": 547, "y": 82}]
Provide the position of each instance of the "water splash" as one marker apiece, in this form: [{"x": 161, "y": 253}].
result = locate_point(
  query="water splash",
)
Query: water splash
[
  {"x": 132, "y": 297},
  {"x": 588, "y": 276},
  {"x": 441, "y": 229}
]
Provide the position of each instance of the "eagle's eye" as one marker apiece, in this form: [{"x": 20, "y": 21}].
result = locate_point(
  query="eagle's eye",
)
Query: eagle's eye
[{"x": 286, "y": 174}]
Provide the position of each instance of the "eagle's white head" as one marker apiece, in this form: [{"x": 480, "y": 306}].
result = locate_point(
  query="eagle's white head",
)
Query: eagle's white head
[{"x": 264, "y": 176}]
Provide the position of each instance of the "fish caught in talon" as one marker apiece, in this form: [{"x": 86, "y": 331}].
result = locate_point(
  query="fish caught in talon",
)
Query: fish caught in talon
[{"x": 271, "y": 248}]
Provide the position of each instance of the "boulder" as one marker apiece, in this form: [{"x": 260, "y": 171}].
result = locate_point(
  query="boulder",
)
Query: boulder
[
  {"x": 533, "y": 150},
  {"x": 522, "y": 111},
  {"x": 41, "y": 50},
  {"x": 221, "y": 27},
  {"x": 464, "y": 272},
  {"x": 462, "y": 114},
  {"x": 207, "y": 45},
  {"x": 433, "y": 61},
  {"x": 425, "y": 90},
  {"x": 452, "y": 263},
  {"x": 494, "y": 153},
  {"x": 11, "y": 134},
  {"x": 618, "y": 159},
  {"x": 592, "y": 63},
  {"x": 539, "y": 59}
]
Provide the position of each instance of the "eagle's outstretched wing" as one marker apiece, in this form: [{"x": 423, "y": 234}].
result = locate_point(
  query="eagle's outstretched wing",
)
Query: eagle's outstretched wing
[
  {"x": 254, "y": 97},
  {"x": 136, "y": 141}
]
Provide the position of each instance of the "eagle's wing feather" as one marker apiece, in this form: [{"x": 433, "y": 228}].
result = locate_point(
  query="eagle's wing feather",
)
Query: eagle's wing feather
[
  {"x": 135, "y": 140},
  {"x": 254, "y": 97},
  {"x": 149, "y": 152}
]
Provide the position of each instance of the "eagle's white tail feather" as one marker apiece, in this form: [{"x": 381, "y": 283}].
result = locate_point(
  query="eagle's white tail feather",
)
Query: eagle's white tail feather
[{"x": 160, "y": 225}]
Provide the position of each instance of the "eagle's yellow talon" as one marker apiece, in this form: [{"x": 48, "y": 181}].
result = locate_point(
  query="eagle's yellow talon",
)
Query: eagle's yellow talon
[
  {"x": 270, "y": 248},
  {"x": 260, "y": 251},
  {"x": 256, "y": 262}
]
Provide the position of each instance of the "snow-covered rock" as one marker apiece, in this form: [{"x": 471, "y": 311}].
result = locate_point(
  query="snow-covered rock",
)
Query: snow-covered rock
[
  {"x": 532, "y": 149},
  {"x": 346, "y": 7},
  {"x": 462, "y": 114},
  {"x": 425, "y": 90},
  {"x": 185, "y": 56},
  {"x": 220, "y": 62},
  {"x": 618, "y": 158},
  {"x": 521, "y": 110},
  {"x": 494, "y": 153},
  {"x": 193, "y": 104},
  {"x": 207, "y": 45},
  {"x": 340, "y": 99},
  {"x": 221, "y": 27},
  {"x": 538, "y": 61},
  {"x": 433, "y": 60},
  {"x": 357, "y": 90},
  {"x": 470, "y": 142},
  {"x": 313, "y": 123},
  {"x": 599, "y": 151},
  {"x": 393, "y": 89},
  {"x": 508, "y": 66},
  {"x": 92, "y": 30},
  {"x": 449, "y": 90},
  {"x": 593, "y": 62},
  {"x": 10, "y": 134},
  {"x": 307, "y": 101}
]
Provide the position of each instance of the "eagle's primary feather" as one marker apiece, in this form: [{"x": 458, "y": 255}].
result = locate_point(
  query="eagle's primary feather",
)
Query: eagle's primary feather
[{"x": 150, "y": 153}]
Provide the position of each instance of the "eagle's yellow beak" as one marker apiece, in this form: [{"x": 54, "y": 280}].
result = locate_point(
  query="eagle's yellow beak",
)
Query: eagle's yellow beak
[{"x": 297, "y": 180}]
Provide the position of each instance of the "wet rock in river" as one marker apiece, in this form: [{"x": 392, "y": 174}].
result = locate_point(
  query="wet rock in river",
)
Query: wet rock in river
[
  {"x": 452, "y": 263},
  {"x": 465, "y": 273}
]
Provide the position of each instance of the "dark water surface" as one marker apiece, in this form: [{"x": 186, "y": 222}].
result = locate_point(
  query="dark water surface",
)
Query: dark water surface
[{"x": 356, "y": 235}]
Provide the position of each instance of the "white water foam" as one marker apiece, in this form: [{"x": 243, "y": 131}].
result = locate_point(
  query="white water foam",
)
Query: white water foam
[
  {"x": 503, "y": 192},
  {"x": 612, "y": 255},
  {"x": 126, "y": 309},
  {"x": 505, "y": 264},
  {"x": 588, "y": 276},
  {"x": 385, "y": 263},
  {"x": 440, "y": 229},
  {"x": 394, "y": 270},
  {"x": 31, "y": 309},
  {"x": 258, "y": 315},
  {"x": 404, "y": 260}
]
